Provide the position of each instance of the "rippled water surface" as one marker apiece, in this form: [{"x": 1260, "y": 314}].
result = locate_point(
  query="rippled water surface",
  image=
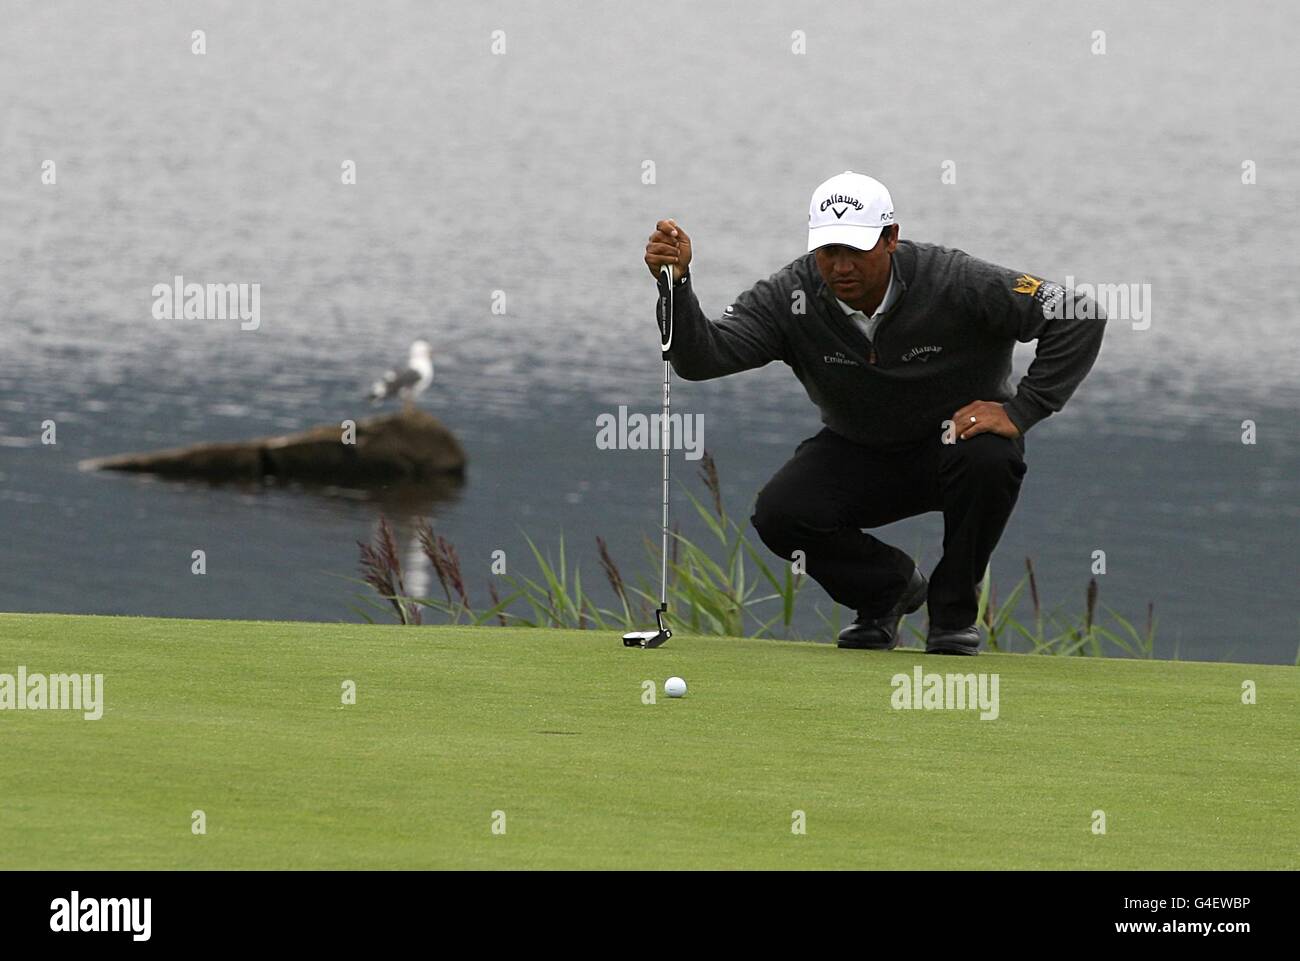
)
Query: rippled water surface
[{"x": 522, "y": 174}]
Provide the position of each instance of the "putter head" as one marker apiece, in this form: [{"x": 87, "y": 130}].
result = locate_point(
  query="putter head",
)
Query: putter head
[{"x": 646, "y": 639}]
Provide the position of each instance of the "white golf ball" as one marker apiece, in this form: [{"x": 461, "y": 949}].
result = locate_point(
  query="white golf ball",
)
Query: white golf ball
[{"x": 675, "y": 687}]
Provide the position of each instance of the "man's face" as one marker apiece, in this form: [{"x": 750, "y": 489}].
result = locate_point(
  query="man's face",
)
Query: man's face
[{"x": 858, "y": 276}]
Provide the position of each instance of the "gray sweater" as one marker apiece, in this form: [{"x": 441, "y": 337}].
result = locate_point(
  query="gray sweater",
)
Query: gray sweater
[{"x": 945, "y": 342}]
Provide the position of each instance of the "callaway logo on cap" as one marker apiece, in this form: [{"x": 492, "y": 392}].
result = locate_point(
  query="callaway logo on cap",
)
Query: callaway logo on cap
[{"x": 849, "y": 209}]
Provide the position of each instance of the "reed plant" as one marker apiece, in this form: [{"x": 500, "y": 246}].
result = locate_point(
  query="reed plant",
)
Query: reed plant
[{"x": 722, "y": 585}]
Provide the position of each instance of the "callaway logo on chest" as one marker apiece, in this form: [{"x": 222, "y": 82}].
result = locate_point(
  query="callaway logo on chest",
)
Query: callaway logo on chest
[{"x": 920, "y": 353}]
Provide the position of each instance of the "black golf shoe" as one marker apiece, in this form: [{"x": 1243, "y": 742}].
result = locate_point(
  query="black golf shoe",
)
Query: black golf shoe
[
  {"x": 881, "y": 633},
  {"x": 953, "y": 640}
]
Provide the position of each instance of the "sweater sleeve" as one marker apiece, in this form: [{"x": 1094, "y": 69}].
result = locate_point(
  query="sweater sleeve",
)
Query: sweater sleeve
[
  {"x": 747, "y": 336},
  {"x": 1067, "y": 325}
]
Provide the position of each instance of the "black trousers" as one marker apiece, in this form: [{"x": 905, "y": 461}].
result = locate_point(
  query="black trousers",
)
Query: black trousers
[{"x": 821, "y": 499}]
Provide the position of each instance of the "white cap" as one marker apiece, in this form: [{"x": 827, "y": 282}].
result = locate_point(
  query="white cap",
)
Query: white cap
[{"x": 849, "y": 209}]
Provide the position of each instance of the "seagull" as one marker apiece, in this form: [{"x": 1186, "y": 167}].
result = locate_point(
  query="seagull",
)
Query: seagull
[{"x": 406, "y": 382}]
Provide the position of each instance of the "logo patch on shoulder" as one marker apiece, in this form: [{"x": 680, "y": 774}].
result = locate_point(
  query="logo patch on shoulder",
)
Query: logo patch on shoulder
[
  {"x": 1049, "y": 298},
  {"x": 1027, "y": 285}
]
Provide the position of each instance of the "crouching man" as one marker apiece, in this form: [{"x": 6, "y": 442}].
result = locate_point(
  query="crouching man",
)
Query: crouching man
[{"x": 906, "y": 348}]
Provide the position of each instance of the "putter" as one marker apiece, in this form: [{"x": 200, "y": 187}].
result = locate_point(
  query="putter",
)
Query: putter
[{"x": 664, "y": 314}]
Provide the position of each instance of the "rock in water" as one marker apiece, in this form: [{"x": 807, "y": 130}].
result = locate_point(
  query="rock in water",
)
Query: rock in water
[{"x": 408, "y": 446}]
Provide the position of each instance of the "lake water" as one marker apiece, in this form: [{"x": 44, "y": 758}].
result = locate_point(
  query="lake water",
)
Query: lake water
[{"x": 521, "y": 173}]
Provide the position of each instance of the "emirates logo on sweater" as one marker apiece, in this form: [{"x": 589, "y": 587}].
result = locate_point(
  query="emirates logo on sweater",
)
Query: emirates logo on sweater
[{"x": 839, "y": 358}]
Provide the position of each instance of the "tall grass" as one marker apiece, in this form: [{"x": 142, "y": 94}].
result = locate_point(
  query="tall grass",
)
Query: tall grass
[
  {"x": 381, "y": 569},
  {"x": 728, "y": 595},
  {"x": 1060, "y": 633},
  {"x": 724, "y": 585}
]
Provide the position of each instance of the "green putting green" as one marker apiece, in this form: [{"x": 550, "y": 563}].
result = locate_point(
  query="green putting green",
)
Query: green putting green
[{"x": 245, "y": 721}]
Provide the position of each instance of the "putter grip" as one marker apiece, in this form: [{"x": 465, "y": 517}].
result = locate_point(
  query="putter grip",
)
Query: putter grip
[{"x": 664, "y": 310}]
